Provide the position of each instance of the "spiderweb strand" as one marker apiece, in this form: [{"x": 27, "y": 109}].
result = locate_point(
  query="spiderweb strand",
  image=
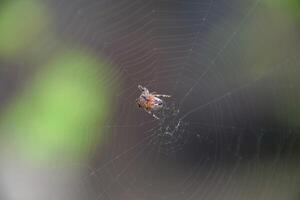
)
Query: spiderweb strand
[{"x": 153, "y": 45}]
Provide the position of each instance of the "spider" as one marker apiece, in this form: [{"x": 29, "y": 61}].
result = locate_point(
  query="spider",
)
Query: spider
[{"x": 150, "y": 101}]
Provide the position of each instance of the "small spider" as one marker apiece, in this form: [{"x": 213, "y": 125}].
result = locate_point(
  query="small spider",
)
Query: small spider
[{"x": 150, "y": 101}]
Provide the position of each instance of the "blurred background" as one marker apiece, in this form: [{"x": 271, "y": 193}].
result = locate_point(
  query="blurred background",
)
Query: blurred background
[{"x": 69, "y": 125}]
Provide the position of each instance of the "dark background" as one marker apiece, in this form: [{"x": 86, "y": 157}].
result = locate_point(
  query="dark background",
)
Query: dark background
[{"x": 230, "y": 130}]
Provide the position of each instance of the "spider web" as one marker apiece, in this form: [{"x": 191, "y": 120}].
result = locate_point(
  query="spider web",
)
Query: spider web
[{"x": 217, "y": 137}]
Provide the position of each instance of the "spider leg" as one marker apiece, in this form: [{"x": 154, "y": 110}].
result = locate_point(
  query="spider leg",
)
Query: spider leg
[
  {"x": 143, "y": 89},
  {"x": 153, "y": 115},
  {"x": 162, "y": 95}
]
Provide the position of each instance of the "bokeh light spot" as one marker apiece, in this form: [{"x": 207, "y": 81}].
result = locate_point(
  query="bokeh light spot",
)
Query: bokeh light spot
[{"x": 59, "y": 113}]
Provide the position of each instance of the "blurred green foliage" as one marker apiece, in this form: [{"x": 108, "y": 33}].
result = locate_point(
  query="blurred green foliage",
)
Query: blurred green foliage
[
  {"x": 291, "y": 6},
  {"x": 20, "y": 23},
  {"x": 271, "y": 40},
  {"x": 261, "y": 49},
  {"x": 58, "y": 113}
]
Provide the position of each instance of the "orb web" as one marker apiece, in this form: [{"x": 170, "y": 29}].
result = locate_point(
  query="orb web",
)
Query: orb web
[{"x": 217, "y": 132}]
